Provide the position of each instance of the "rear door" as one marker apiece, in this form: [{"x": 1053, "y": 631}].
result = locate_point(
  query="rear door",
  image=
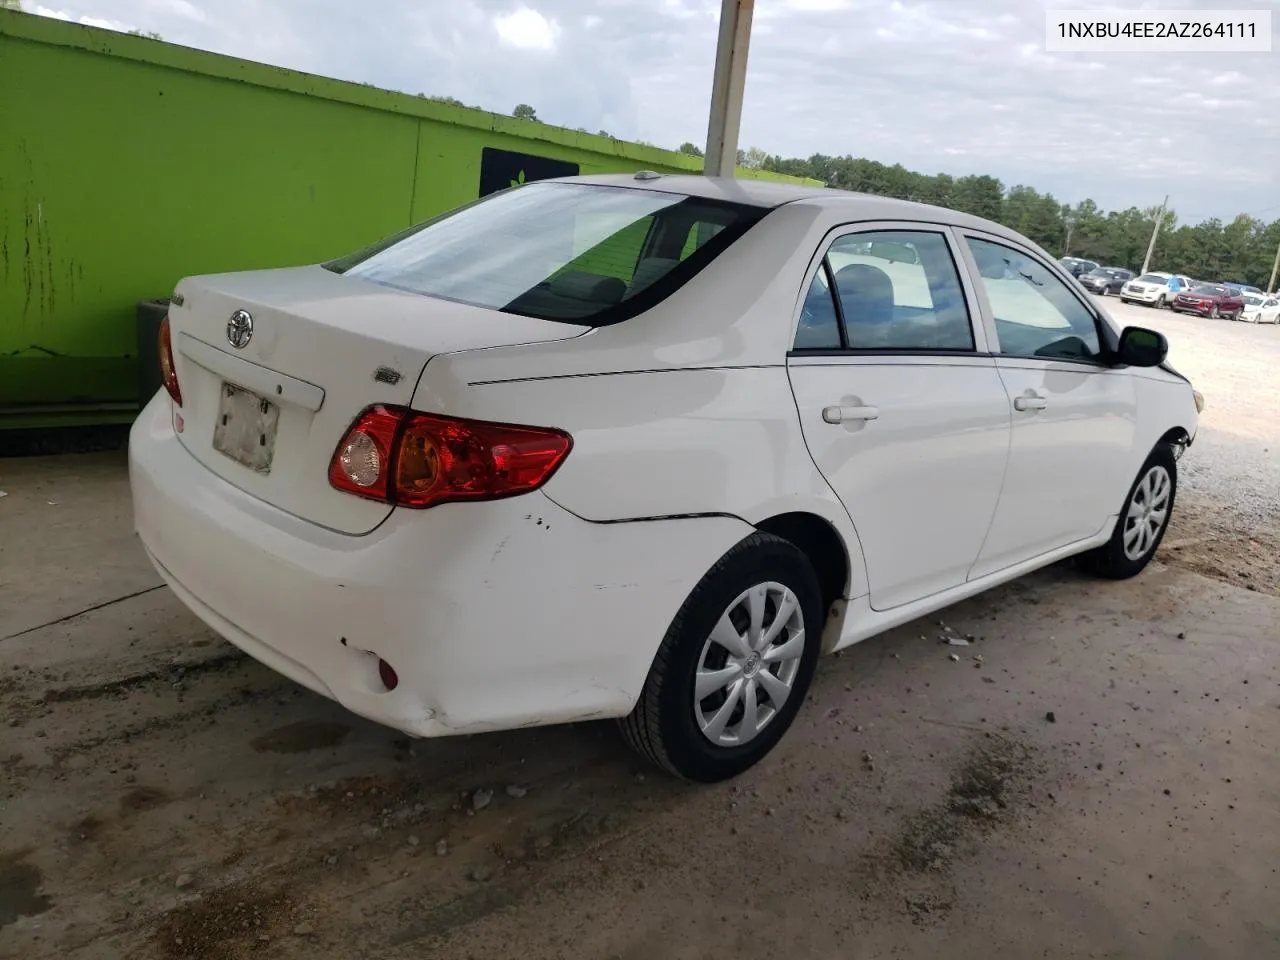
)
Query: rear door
[
  {"x": 1074, "y": 417},
  {"x": 901, "y": 406}
]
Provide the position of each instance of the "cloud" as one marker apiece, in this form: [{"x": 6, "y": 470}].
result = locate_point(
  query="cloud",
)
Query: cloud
[
  {"x": 88, "y": 21},
  {"x": 526, "y": 29},
  {"x": 956, "y": 86}
]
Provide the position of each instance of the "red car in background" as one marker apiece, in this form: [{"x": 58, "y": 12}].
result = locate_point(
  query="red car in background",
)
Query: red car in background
[{"x": 1210, "y": 300}]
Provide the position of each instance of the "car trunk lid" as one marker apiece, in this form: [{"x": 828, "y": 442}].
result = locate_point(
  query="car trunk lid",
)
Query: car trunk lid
[{"x": 275, "y": 365}]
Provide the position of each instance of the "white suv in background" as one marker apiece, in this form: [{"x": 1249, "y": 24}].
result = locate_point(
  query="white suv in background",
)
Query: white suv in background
[{"x": 1155, "y": 289}]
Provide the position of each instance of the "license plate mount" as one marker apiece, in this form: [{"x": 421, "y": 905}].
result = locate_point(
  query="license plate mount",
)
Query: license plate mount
[{"x": 246, "y": 427}]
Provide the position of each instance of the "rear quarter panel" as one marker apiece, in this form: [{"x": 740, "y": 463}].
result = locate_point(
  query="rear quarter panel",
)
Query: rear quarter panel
[{"x": 701, "y": 441}]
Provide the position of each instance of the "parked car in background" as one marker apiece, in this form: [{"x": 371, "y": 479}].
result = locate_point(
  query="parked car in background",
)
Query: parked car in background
[
  {"x": 640, "y": 447},
  {"x": 1244, "y": 287},
  {"x": 1155, "y": 289},
  {"x": 1105, "y": 280},
  {"x": 1077, "y": 267},
  {"x": 1259, "y": 308},
  {"x": 1212, "y": 300}
]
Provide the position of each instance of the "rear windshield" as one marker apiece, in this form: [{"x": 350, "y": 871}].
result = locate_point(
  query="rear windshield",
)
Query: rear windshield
[{"x": 568, "y": 252}]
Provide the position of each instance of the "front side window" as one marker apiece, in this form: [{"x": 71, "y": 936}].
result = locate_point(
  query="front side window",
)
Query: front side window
[
  {"x": 1036, "y": 315},
  {"x": 897, "y": 290},
  {"x": 570, "y": 252}
]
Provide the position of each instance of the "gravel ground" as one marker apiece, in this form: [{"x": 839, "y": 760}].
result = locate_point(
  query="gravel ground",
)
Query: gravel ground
[{"x": 1096, "y": 775}]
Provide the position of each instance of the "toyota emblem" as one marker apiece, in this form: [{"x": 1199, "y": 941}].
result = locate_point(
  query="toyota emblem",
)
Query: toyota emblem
[{"x": 240, "y": 329}]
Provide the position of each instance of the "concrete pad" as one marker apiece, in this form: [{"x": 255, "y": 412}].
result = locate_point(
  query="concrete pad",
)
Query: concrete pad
[{"x": 154, "y": 780}]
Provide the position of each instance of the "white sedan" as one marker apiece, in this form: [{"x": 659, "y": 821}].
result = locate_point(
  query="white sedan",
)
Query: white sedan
[
  {"x": 643, "y": 448},
  {"x": 1260, "y": 309}
]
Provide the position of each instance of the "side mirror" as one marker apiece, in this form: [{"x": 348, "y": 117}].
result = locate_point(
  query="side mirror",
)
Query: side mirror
[{"x": 1140, "y": 347}]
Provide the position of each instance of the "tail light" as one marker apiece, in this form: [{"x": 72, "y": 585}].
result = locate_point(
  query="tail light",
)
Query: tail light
[
  {"x": 167, "y": 370},
  {"x": 419, "y": 460}
]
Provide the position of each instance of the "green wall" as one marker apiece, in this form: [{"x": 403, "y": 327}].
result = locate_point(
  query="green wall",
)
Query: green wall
[{"x": 127, "y": 163}]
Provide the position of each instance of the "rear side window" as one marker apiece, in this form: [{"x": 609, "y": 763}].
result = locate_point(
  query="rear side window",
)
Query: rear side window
[
  {"x": 893, "y": 290},
  {"x": 569, "y": 252}
]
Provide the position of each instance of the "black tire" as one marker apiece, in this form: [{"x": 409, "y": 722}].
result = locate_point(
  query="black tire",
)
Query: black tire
[
  {"x": 1110, "y": 560},
  {"x": 1159, "y": 304},
  {"x": 663, "y": 727},
  {"x": 1213, "y": 312}
]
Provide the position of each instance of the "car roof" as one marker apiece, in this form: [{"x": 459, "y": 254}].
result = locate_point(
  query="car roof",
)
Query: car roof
[{"x": 770, "y": 194}]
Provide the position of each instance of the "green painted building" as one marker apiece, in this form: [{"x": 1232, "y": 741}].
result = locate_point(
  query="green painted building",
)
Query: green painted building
[{"x": 127, "y": 163}]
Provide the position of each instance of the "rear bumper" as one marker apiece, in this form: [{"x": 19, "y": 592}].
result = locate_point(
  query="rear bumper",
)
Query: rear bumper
[{"x": 494, "y": 615}]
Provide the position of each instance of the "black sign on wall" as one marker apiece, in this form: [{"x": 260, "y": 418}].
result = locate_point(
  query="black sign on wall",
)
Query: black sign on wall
[{"x": 500, "y": 169}]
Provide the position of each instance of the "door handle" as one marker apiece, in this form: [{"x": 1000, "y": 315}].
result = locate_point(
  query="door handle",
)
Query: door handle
[
  {"x": 847, "y": 414},
  {"x": 1030, "y": 403}
]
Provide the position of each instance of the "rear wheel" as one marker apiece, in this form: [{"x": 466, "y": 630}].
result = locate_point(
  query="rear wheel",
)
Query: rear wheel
[
  {"x": 735, "y": 665},
  {"x": 1144, "y": 518}
]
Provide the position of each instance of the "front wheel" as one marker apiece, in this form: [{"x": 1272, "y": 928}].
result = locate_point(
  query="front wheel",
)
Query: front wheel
[
  {"x": 1143, "y": 520},
  {"x": 1159, "y": 304},
  {"x": 735, "y": 665},
  {"x": 1213, "y": 312}
]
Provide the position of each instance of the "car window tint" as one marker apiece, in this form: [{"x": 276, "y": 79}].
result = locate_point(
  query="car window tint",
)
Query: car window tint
[
  {"x": 569, "y": 252},
  {"x": 699, "y": 234},
  {"x": 1036, "y": 314},
  {"x": 899, "y": 290},
  {"x": 819, "y": 327}
]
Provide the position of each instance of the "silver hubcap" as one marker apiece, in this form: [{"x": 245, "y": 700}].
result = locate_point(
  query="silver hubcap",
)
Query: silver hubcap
[
  {"x": 749, "y": 665},
  {"x": 1148, "y": 511}
]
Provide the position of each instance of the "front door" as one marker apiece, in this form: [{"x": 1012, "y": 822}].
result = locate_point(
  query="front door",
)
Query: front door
[
  {"x": 1074, "y": 417},
  {"x": 902, "y": 410}
]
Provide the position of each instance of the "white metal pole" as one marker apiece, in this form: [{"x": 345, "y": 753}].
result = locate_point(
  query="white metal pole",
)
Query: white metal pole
[
  {"x": 727, "y": 86},
  {"x": 1146, "y": 262},
  {"x": 1275, "y": 268}
]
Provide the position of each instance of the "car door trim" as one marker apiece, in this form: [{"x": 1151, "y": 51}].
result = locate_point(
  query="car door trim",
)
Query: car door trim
[{"x": 837, "y": 358}]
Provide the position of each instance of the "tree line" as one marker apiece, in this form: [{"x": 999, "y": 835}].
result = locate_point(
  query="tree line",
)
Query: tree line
[{"x": 1242, "y": 250}]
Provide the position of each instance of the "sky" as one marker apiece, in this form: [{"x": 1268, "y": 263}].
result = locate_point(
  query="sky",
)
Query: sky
[{"x": 940, "y": 86}]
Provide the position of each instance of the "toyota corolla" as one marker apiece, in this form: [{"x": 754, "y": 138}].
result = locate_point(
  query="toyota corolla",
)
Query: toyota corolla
[{"x": 640, "y": 448}]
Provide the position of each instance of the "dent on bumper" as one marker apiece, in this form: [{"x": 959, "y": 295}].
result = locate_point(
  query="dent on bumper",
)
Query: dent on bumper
[{"x": 496, "y": 615}]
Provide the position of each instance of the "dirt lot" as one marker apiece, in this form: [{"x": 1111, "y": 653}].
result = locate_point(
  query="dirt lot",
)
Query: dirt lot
[{"x": 1096, "y": 776}]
